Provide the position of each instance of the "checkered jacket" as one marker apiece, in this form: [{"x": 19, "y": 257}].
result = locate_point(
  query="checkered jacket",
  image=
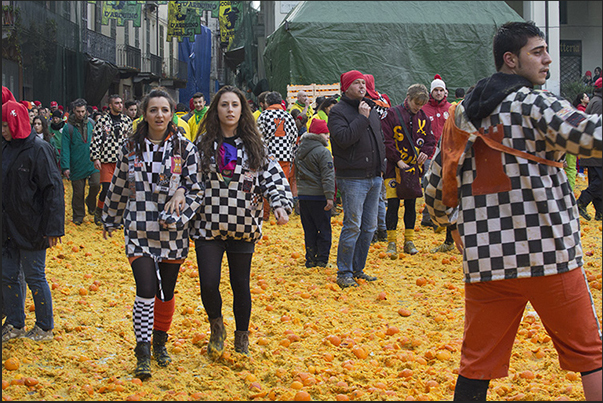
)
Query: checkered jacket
[
  {"x": 279, "y": 131},
  {"x": 235, "y": 210},
  {"x": 106, "y": 143},
  {"x": 533, "y": 229},
  {"x": 130, "y": 199}
]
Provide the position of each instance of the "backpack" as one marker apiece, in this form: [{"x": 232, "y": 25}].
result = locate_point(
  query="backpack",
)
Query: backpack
[{"x": 70, "y": 128}]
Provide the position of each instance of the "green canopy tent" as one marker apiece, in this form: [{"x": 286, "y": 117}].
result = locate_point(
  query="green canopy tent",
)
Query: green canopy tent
[{"x": 399, "y": 42}]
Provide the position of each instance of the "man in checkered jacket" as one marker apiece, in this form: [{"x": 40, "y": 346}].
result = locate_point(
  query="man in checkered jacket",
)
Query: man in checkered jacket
[
  {"x": 514, "y": 216},
  {"x": 109, "y": 134},
  {"x": 280, "y": 135}
]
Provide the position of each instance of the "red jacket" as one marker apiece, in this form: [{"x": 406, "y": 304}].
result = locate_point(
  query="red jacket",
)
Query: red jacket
[{"x": 437, "y": 113}]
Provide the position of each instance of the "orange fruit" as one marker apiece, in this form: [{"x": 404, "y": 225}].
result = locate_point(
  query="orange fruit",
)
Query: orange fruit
[
  {"x": 295, "y": 255},
  {"x": 404, "y": 312},
  {"x": 382, "y": 296},
  {"x": 359, "y": 352},
  {"x": 527, "y": 374},
  {"x": 296, "y": 385},
  {"x": 12, "y": 364},
  {"x": 93, "y": 287},
  {"x": 29, "y": 381},
  {"x": 302, "y": 395},
  {"x": 5, "y": 384},
  {"x": 342, "y": 398},
  {"x": 421, "y": 281},
  {"x": 83, "y": 291},
  {"x": 334, "y": 339}
]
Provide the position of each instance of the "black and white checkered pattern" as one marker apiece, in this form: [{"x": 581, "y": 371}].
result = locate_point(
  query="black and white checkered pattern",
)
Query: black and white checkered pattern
[
  {"x": 533, "y": 229},
  {"x": 131, "y": 199},
  {"x": 142, "y": 318},
  {"x": 235, "y": 210},
  {"x": 279, "y": 146},
  {"x": 108, "y": 138},
  {"x": 153, "y": 159}
]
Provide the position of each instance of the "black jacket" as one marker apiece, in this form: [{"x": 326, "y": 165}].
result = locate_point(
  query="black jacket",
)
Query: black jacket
[
  {"x": 33, "y": 200},
  {"x": 357, "y": 142}
]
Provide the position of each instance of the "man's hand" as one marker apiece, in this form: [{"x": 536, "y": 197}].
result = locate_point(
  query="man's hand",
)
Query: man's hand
[
  {"x": 458, "y": 242},
  {"x": 421, "y": 158},
  {"x": 97, "y": 164},
  {"x": 403, "y": 165},
  {"x": 176, "y": 203},
  {"x": 67, "y": 173},
  {"x": 54, "y": 240},
  {"x": 364, "y": 109},
  {"x": 329, "y": 205}
]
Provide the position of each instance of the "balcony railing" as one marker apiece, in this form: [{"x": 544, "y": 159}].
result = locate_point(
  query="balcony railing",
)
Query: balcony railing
[
  {"x": 178, "y": 70},
  {"x": 151, "y": 64},
  {"x": 129, "y": 56},
  {"x": 98, "y": 45}
]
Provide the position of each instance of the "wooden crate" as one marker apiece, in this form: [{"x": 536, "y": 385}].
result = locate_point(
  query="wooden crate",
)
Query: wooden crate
[{"x": 313, "y": 91}]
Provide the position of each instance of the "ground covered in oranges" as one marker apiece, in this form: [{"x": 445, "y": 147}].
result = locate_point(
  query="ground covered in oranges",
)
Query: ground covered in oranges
[{"x": 397, "y": 338}]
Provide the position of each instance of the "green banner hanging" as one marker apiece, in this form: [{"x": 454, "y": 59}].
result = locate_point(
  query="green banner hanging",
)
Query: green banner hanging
[
  {"x": 121, "y": 11},
  {"x": 229, "y": 19}
]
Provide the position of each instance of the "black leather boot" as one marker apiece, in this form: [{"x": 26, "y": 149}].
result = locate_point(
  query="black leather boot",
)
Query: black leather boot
[
  {"x": 241, "y": 341},
  {"x": 159, "y": 351},
  {"x": 143, "y": 357},
  {"x": 215, "y": 347}
]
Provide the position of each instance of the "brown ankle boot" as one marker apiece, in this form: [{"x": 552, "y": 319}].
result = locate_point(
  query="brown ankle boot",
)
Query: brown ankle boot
[
  {"x": 241, "y": 341},
  {"x": 215, "y": 347}
]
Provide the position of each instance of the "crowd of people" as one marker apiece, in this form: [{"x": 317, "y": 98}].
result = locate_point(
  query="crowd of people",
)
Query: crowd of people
[{"x": 212, "y": 174}]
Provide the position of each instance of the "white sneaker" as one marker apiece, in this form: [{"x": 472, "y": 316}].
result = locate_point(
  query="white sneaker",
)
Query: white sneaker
[
  {"x": 10, "y": 332},
  {"x": 37, "y": 334}
]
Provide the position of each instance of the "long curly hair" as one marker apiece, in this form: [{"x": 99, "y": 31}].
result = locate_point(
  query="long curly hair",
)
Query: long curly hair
[
  {"x": 142, "y": 129},
  {"x": 210, "y": 131},
  {"x": 45, "y": 132}
]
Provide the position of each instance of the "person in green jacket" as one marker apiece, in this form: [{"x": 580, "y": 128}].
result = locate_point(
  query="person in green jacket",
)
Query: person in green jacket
[
  {"x": 55, "y": 127},
  {"x": 75, "y": 161}
]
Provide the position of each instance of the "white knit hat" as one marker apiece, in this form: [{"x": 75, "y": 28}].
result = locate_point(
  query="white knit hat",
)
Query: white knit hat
[{"x": 437, "y": 83}]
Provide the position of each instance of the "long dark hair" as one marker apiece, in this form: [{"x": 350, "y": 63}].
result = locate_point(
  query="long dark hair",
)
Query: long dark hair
[
  {"x": 45, "y": 132},
  {"x": 142, "y": 129},
  {"x": 210, "y": 131},
  {"x": 578, "y": 99}
]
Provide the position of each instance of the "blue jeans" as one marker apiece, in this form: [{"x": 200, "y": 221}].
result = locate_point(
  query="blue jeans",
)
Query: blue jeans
[
  {"x": 33, "y": 263},
  {"x": 360, "y": 202},
  {"x": 382, "y": 210}
]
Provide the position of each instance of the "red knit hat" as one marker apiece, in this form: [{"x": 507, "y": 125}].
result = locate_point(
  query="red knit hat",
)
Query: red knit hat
[
  {"x": 318, "y": 126},
  {"x": 37, "y": 103},
  {"x": 17, "y": 117},
  {"x": 598, "y": 83},
  {"x": 346, "y": 79},
  {"x": 370, "y": 86},
  {"x": 7, "y": 95},
  {"x": 54, "y": 104}
]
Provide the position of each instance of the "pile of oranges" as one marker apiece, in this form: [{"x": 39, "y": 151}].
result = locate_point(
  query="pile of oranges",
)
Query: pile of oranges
[{"x": 397, "y": 338}]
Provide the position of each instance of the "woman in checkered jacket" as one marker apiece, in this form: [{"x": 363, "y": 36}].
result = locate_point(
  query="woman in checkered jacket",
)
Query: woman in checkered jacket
[
  {"x": 236, "y": 172},
  {"x": 154, "y": 192}
]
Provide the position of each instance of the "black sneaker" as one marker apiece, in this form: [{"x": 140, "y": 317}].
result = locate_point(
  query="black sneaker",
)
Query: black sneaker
[
  {"x": 345, "y": 282},
  {"x": 362, "y": 275},
  {"x": 583, "y": 212}
]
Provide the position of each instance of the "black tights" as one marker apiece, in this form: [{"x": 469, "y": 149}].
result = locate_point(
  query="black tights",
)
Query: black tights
[
  {"x": 470, "y": 389},
  {"x": 145, "y": 276},
  {"x": 391, "y": 215},
  {"x": 209, "y": 262},
  {"x": 103, "y": 191}
]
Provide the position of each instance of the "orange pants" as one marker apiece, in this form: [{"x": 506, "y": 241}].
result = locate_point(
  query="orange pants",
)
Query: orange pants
[{"x": 494, "y": 310}]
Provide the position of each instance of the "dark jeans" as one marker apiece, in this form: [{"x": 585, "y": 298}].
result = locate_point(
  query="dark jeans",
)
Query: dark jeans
[
  {"x": 77, "y": 199},
  {"x": 209, "y": 263},
  {"x": 317, "y": 231},
  {"x": 33, "y": 265},
  {"x": 593, "y": 193}
]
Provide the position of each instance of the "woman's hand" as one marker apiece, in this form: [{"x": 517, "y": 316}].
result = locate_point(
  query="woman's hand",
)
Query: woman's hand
[
  {"x": 106, "y": 232},
  {"x": 176, "y": 203},
  {"x": 281, "y": 216}
]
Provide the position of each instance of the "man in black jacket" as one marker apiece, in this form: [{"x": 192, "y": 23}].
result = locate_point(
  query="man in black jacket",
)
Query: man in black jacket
[
  {"x": 33, "y": 219},
  {"x": 359, "y": 157}
]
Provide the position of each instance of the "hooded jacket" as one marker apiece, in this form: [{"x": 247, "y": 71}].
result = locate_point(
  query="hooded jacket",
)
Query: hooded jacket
[
  {"x": 357, "y": 142},
  {"x": 75, "y": 148},
  {"x": 517, "y": 218},
  {"x": 437, "y": 113},
  {"x": 33, "y": 204},
  {"x": 314, "y": 168}
]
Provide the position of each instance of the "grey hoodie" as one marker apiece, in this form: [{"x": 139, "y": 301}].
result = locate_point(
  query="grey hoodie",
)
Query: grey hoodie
[{"x": 314, "y": 171}]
